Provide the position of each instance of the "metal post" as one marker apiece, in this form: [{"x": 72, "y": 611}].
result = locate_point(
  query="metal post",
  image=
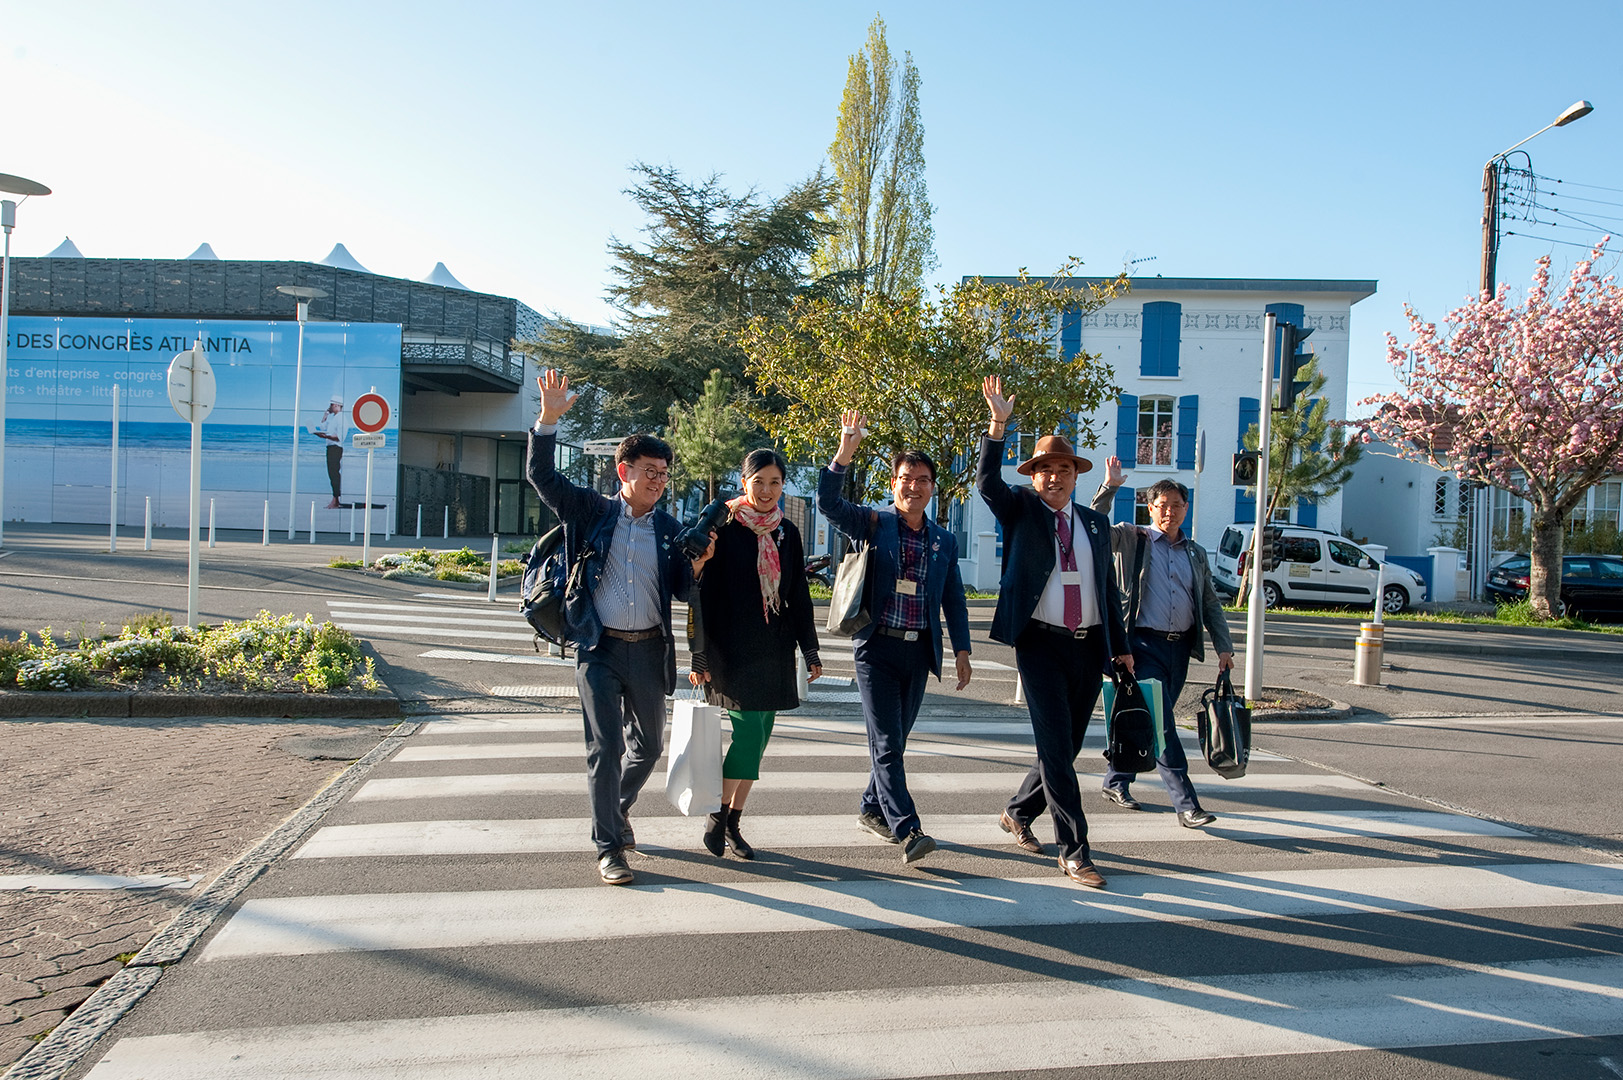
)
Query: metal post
[
  {"x": 366, "y": 515},
  {"x": 1256, "y": 612},
  {"x": 352, "y": 523},
  {"x": 419, "y": 521},
  {"x": 148, "y": 546},
  {"x": 211, "y": 521},
  {"x": 195, "y": 498},
  {"x": 298, "y": 389},
  {"x": 495, "y": 553},
  {"x": 388, "y": 524},
  {"x": 266, "y": 541},
  {"x": 312, "y": 521},
  {"x": 8, "y": 220},
  {"x": 112, "y": 511},
  {"x": 448, "y": 523}
]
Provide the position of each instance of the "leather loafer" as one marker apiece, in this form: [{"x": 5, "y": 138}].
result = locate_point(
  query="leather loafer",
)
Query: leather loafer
[
  {"x": 1023, "y": 838},
  {"x": 1120, "y": 797},
  {"x": 1081, "y": 872},
  {"x": 613, "y": 869},
  {"x": 1195, "y": 819}
]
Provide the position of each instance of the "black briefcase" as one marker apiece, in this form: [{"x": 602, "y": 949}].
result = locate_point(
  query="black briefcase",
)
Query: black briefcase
[{"x": 1225, "y": 729}]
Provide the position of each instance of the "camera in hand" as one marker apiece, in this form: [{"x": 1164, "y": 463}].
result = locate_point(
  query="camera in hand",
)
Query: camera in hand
[{"x": 694, "y": 539}]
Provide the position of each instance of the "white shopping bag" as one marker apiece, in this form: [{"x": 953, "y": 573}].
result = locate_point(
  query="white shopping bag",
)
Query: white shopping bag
[{"x": 693, "y": 770}]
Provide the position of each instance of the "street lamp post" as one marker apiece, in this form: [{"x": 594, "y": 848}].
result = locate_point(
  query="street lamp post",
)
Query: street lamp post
[
  {"x": 1481, "y": 516},
  {"x": 13, "y": 185},
  {"x": 303, "y": 294}
]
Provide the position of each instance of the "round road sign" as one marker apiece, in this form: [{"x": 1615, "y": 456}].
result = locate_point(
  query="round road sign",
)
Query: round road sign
[
  {"x": 370, "y": 412},
  {"x": 191, "y": 385}
]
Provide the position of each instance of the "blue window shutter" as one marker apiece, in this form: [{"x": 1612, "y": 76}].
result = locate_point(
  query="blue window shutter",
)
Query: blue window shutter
[
  {"x": 1070, "y": 334},
  {"x": 1188, "y": 420},
  {"x": 1291, "y": 313},
  {"x": 1125, "y": 509},
  {"x": 1127, "y": 430},
  {"x": 1170, "y": 316},
  {"x": 1307, "y": 513},
  {"x": 1149, "y": 340},
  {"x": 1250, "y": 415},
  {"x": 1245, "y": 507}
]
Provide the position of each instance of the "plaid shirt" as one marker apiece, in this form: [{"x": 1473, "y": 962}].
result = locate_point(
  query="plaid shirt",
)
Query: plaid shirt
[{"x": 907, "y": 612}]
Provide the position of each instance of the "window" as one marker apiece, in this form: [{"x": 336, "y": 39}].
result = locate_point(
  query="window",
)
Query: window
[
  {"x": 1155, "y": 433},
  {"x": 1509, "y": 513},
  {"x": 1439, "y": 498},
  {"x": 1141, "y": 507},
  {"x": 1609, "y": 568},
  {"x": 1607, "y": 500},
  {"x": 1302, "y": 549},
  {"x": 1347, "y": 555},
  {"x": 1466, "y": 494}
]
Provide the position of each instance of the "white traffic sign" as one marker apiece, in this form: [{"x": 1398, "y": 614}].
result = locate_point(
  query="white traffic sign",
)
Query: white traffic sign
[
  {"x": 191, "y": 385},
  {"x": 602, "y": 447},
  {"x": 368, "y": 440},
  {"x": 370, "y": 413}
]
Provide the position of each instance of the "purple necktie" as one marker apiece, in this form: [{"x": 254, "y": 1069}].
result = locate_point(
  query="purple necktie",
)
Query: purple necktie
[{"x": 1067, "y": 561}]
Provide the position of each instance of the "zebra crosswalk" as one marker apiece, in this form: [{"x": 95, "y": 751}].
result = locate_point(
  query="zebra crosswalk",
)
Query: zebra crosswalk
[{"x": 446, "y": 921}]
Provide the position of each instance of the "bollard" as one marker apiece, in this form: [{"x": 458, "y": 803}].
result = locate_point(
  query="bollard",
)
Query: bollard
[
  {"x": 419, "y": 521},
  {"x": 495, "y": 541},
  {"x": 1367, "y": 654},
  {"x": 149, "y": 524},
  {"x": 388, "y": 524},
  {"x": 211, "y": 521},
  {"x": 352, "y": 523},
  {"x": 265, "y": 540},
  {"x": 312, "y": 521},
  {"x": 447, "y": 523}
]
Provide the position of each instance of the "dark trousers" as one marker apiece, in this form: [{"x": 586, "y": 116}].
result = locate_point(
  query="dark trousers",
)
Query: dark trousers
[
  {"x": 622, "y": 694},
  {"x": 1062, "y": 678},
  {"x": 891, "y": 675},
  {"x": 1155, "y": 657},
  {"x": 335, "y": 456}
]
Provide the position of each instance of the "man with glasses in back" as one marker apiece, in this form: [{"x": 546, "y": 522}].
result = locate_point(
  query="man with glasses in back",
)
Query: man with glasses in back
[
  {"x": 913, "y": 578},
  {"x": 625, "y": 661}
]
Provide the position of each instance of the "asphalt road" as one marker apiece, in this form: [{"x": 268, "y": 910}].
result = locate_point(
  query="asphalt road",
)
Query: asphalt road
[{"x": 1431, "y": 889}]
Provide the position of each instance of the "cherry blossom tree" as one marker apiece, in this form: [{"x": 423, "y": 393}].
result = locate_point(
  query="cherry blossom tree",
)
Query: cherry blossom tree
[{"x": 1526, "y": 398}]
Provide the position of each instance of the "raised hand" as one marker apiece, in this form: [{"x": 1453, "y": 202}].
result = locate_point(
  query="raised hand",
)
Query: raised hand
[
  {"x": 853, "y": 425},
  {"x": 1002, "y": 407},
  {"x": 555, "y": 396},
  {"x": 1113, "y": 474}
]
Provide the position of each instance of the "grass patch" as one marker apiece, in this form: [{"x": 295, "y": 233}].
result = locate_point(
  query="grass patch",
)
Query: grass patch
[
  {"x": 462, "y": 565},
  {"x": 342, "y": 563},
  {"x": 1517, "y": 614}
]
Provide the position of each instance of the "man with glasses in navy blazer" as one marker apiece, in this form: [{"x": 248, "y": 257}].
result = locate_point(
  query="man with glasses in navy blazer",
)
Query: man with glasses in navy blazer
[{"x": 1059, "y": 607}]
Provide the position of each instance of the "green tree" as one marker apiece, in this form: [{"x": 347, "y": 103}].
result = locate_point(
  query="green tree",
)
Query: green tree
[
  {"x": 1309, "y": 456},
  {"x": 915, "y": 367},
  {"x": 710, "y": 437},
  {"x": 883, "y": 213},
  {"x": 710, "y": 262}
]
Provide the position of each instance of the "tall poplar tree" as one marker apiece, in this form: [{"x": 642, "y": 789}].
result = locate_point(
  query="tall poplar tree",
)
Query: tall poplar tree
[{"x": 883, "y": 208}]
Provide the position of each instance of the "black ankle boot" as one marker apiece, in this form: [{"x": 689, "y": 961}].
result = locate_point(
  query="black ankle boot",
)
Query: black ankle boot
[
  {"x": 741, "y": 846},
  {"x": 714, "y": 825}
]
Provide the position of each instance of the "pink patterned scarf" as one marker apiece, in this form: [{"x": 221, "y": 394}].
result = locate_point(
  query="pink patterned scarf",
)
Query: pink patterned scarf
[{"x": 766, "y": 551}]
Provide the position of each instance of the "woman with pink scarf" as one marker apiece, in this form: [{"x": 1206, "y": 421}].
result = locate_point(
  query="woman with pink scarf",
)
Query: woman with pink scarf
[{"x": 754, "y": 608}]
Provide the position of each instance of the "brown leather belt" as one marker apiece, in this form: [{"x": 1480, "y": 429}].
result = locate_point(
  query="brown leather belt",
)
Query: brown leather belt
[
  {"x": 634, "y": 635},
  {"x": 1079, "y": 633},
  {"x": 1165, "y": 635},
  {"x": 905, "y": 635}
]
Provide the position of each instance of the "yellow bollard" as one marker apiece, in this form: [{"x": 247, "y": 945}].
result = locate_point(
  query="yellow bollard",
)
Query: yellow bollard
[{"x": 1367, "y": 654}]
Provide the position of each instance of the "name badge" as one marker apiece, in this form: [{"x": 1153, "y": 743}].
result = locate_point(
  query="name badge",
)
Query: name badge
[
  {"x": 907, "y": 587},
  {"x": 1070, "y": 577}
]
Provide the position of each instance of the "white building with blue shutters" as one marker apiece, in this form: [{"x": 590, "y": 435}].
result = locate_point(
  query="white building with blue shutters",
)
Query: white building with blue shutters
[{"x": 1187, "y": 353}]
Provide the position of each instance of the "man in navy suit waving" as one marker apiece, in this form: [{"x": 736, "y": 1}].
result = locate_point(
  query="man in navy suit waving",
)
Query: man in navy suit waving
[
  {"x": 913, "y": 569},
  {"x": 1059, "y": 607}
]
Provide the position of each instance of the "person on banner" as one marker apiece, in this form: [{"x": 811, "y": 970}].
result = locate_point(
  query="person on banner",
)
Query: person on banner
[
  {"x": 334, "y": 429},
  {"x": 1058, "y": 606},
  {"x": 1167, "y": 597},
  {"x": 913, "y": 573},
  {"x": 625, "y": 660},
  {"x": 754, "y": 608}
]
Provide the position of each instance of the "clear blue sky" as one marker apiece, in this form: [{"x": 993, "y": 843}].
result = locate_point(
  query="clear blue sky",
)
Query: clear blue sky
[{"x": 1225, "y": 140}]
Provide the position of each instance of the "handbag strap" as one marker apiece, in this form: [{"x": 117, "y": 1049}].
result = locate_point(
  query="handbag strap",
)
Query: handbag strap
[{"x": 1225, "y": 685}]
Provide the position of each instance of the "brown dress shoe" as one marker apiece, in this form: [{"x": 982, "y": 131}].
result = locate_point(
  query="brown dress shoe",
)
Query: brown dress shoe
[
  {"x": 1023, "y": 838},
  {"x": 1081, "y": 872}
]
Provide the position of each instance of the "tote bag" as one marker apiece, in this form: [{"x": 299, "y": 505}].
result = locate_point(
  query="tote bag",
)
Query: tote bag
[
  {"x": 1225, "y": 729},
  {"x": 693, "y": 769},
  {"x": 848, "y": 611}
]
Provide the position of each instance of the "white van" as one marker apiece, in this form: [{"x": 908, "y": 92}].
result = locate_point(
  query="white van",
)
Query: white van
[{"x": 1318, "y": 567}]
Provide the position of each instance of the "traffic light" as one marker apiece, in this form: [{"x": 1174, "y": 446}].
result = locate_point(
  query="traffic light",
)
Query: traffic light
[
  {"x": 1273, "y": 547},
  {"x": 1292, "y": 361},
  {"x": 1244, "y": 470}
]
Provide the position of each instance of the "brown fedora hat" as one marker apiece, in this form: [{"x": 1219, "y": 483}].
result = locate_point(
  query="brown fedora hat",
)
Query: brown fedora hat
[{"x": 1053, "y": 446}]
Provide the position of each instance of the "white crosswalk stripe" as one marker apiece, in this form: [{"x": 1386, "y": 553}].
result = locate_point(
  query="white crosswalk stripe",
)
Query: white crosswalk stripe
[{"x": 446, "y": 922}]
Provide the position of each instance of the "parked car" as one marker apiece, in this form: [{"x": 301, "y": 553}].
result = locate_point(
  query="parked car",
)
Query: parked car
[
  {"x": 1318, "y": 567},
  {"x": 1591, "y": 585}
]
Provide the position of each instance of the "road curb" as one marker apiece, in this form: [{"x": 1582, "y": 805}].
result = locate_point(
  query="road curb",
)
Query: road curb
[
  {"x": 70, "y": 704},
  {"x": 68, "y": 1043}
]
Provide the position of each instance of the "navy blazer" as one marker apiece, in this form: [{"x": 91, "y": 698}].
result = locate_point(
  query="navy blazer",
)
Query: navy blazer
[
  {"x": 943, "y": 586},
  {"x": 1028, "y": 553},
  {"x": 586, "y": 515}
]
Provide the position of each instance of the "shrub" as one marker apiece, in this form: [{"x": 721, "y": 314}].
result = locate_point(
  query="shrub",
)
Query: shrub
[
  {"x": 463, "y": 557},
  {"x": 341, "y": 563}
]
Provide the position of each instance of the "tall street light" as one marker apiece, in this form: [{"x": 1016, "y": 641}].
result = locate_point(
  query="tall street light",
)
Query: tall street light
[
  {"x": 303, "y": 294},
  {"x": 13, "y": 185},
  {"x": 1490, "y": 193},
  {"x": 1481, "y": 539}
]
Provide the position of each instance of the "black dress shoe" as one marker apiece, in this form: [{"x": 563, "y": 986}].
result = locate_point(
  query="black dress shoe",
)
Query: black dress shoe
[
  {"x": 1196, "y": 818},
  {"x": 613, "y": 869},
  {"x": 1120, "y": 797},
  {"x": 1023, "y": 838},
  {"x": 1081, "y": 872}
]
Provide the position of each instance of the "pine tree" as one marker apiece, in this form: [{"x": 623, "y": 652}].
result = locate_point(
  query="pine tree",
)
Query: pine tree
[
  {"x": 710, "y": 437},
  {"x": 1309, "y": 456}
]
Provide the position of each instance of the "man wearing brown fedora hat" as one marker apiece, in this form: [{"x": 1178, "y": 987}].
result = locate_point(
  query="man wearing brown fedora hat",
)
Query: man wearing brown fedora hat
[{"x": 1059, "y": 607}]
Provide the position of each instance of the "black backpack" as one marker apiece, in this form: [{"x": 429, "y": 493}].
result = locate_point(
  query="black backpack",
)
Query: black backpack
[
  {"x": 541, "y": 589},
  {"x": 1130, "y": 728}
]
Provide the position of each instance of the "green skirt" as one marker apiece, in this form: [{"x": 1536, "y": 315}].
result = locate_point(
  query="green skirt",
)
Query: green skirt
[{"x": 751, "y": 730}]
